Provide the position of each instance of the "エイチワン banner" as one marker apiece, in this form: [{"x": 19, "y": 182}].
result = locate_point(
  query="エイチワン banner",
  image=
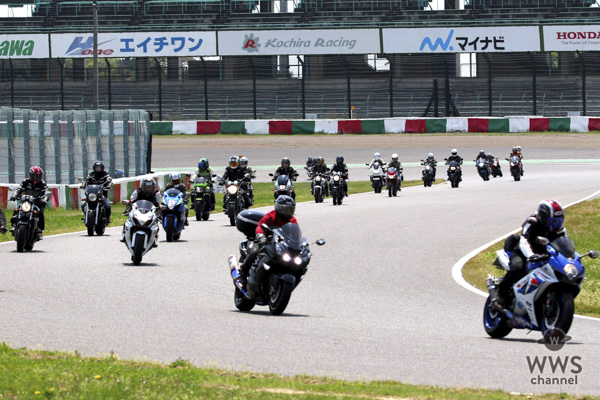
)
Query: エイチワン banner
[
  {"x": 24, "y": 46},
  {"x": 135, "y": 44},
  {"x": 461, "y": 40},
  {"x": 572, "y": 38},
  {"x": 332, "y": 41}
]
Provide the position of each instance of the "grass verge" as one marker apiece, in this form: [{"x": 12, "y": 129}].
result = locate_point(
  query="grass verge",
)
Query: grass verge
[
  {"x": 64, "y": 221},
  {"x": 43, "y": 374},
  {"x": 582, "y": 221}
]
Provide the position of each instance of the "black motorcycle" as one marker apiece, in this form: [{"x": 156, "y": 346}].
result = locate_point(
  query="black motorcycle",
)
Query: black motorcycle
[
  {"x": 454, "y": 173},
  {"x": 283, "y": 185},
  {"x": 428, "y": 172},
  {"x": 483, "y": 168},
  {"x": 25, "y": 222},
  {"x": 94, "y": 210},
  {"x": 495, "y": 167},
  {"x": 270, "y": 284},
  {"x": 337, "y": 188},
  {"x": 319, "y": 184}
]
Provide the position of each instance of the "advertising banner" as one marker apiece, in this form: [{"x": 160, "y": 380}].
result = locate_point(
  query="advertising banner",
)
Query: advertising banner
[
  {"x": 24, "y": 46},
  {"x": 461, "y": 40},
  {"x": 572, "y": 38},
  {"x": 135, "y": 44},
  {"x": 332, "y": 41}
]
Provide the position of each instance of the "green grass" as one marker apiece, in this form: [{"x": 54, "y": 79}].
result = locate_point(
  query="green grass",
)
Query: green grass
[
  {"x": 28, "y": 374},
  {"x": 63, "y": 221},
  {"x": 582, "y": 221}
]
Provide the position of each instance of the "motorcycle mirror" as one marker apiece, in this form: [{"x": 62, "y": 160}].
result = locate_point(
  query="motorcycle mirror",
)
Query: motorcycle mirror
[
  {"x": 321, "y": 242},
  {"x": 593, "y": 254},
  {"x": 542, "y": 240},
  {"x": 271, "y": 175},
  {"x": 266, "y": 228},
  {"x": 124, "y": 202}
]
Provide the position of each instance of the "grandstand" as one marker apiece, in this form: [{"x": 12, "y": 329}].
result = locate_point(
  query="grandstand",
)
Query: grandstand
[{"x": 551, "y": 83}]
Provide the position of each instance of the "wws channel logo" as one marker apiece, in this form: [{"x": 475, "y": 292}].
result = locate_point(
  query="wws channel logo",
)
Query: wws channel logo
[
  {"x": 439, "y": 42},
  {"x": 80, "y": 48},
  {"x": 554, "y": 370}
]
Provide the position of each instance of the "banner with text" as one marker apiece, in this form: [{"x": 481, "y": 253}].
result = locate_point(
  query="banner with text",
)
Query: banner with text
[
  {"x": 461, "y": 40},
  {"x": 24, "y": 46},
  {"x": 572, "y": 38},
  {"x": 333, "y": 41},
  {"x": 135, "y": 44}
]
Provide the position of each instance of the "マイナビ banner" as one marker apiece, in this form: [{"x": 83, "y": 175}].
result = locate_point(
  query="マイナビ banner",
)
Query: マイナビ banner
[
  {"x": 572, "y": 38},
  {"x": 461, "y": 40},
  {"x": 332, "y": 41}
]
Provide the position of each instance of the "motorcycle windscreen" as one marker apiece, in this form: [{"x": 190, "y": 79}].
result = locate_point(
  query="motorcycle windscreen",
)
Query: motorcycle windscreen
[
  {"x": 200, "y": 180},
  {"x": 292, "y": 235},
  {"x": 144, "y": 206},
  {"x": 173, "y": 192},
  {"x": 564, "y": 246},
  {"x": 93, "y": 189},
  {"x": 392, "y": 170},
  {"x": 282, "y": 180}
]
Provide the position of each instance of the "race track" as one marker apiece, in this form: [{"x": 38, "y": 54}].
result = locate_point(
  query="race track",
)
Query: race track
[{"x": 378, "y": 302}]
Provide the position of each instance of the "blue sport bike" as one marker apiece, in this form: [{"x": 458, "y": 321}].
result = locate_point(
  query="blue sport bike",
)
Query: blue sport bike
[
  {"x": 543, "y": 300},
  {"x": 173, "y": 211}
]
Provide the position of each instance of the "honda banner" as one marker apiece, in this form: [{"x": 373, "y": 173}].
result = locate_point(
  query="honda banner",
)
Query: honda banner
[
  {"x": 135, "y": 44},
  {"x": 572, "y": 38},
  {"x": 292, "y": 42},
  {"x": 24, "y": 46},
  {"x": 461, "y": 40}
]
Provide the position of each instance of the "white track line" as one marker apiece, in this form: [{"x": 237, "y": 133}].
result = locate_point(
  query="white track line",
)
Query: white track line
[{"x": 457, "y": 268}]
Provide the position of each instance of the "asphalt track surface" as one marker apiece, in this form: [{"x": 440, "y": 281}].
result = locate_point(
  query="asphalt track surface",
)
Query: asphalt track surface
[{"x": 378, "y": 302}]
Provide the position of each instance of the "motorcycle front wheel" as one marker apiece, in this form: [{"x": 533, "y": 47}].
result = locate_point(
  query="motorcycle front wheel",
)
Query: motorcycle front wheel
[
  {"x": 91, "y": 217},
  {"x": 170, "y": 228},
  {"x": 21, "y": 237},
  {"x": 198, "y": 210},
  {"x": 138, "y": 251},
  {"x": 494, "y": 322},
  {"x": 562, "y": 315},
  {"x": 231, "y": 214},
  {"x": 280, "y": 297}
]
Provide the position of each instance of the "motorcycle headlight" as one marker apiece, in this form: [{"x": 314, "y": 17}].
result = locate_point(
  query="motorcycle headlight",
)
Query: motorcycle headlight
[
  {"x": 427, "y": 167},
  {"x": 171, "y": 204},
  {"x": 286, "y": 257},
  {"x": 512, "y": 164},
  {"x": 232, "y": 189},
  {"x": 297, "y": 260},
  {"x": 570, "y": 271},
  {"x": 281, "y": 187},
  {"x": 480, "y": 165},
  {"x": 198, "y": 189},
  {"x": 452, "y": 168},
  {"x": 26, "y": 207},
  {"x": 336, "y": 178},
  {"x": 92, "y": 197},
  {"x": 318, "y": 179}
]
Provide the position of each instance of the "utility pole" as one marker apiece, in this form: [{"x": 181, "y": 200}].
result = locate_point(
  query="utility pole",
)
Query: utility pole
[{"x": 95, "y": 54}]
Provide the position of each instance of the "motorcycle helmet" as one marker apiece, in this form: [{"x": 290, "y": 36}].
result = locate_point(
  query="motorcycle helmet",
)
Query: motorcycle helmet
[
  {"x": 481, "y": 153},
  {"x": 35, "y": 174},
  {"x": 551, "y": 214},
  {"x": 395, "y": 157},
  {"x": 98, "y": 168},
  {"x": 515, "y": 150},
  {"x": 175, "y": 178},
  {"x": 454, "y": 152},
  {"x": 285, "y": 162},
  {"x": 377, "y": 156},
  {"x": 203, "y": 164},
  {"x": 243, "y": 162},
  {"x": 430, "y": 156},
  {"x": 320, "y": 160},
  {"x": 519, "y": 149},
  {"x": 285, "y": 207},
  {"x": 310, "y": 161},
  {"x": 234, "y": 162},
  {"x": 489, "y": 155},
  {"x": 148, "y": 186},
  {"x": 339, "y": 160}
]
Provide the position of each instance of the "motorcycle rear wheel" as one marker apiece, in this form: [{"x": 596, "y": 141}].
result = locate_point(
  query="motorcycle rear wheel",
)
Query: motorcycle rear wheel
[
  {"x": 241, "y": 302},
  {"x": 100, "y": 230},
  {"x": 280, "y": 297},
  {"x": 494, "y": 322}
]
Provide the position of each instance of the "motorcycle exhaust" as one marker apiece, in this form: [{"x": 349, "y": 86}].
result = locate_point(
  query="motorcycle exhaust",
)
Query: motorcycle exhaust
[{"x": 235, "y": 273}]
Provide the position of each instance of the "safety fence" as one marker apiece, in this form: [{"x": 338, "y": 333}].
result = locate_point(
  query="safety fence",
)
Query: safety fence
[
  {"x": 379, "y": 126},
  {"x": 66, "y": 143}
]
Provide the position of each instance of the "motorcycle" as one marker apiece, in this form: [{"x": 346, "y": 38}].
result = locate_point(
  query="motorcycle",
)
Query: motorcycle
[
  {"x": 495, "y": 167},
  {"x": 337, "y": 188},
  {"x": 482, "y": 168},
  {"x": 93, "y": 208},
  {"x": 544, "y": 299},
  {"x": 283, "y": 185},
  {"x": 270, "y": 284},
  {"x": 319, "y": 187},
  {"x": 173, "y": 210},
  {"x": 246, "y": 186},
  {"x": 201, "y": 198},
  {"x": 515, "y": 167},
  {"x": 393, "y": 181},
  {"x": 25, "y": 222},
  {"x": 140, "y": 229},
  {"x": 454, "y": 173},
  {"x": 428, "y": 173},
  {"x": 377, "y": 176}
]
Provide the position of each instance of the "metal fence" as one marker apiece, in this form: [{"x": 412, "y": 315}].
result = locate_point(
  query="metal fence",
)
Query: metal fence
[{"x": 66, "y": 143}]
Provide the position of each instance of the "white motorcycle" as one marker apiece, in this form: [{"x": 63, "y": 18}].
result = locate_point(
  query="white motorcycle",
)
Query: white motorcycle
[
  {"x": 377, "y": 176},
  {"x": 141, "y": 229}
]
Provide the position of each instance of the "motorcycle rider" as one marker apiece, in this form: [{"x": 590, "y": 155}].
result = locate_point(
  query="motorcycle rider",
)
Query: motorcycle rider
[
  {"x": 247, "y": 170},
  {"x": 455, "y": 157},
  {"x": 319, "y": 167},
  {"x": 149, "y": 192},
  {"x": 516, "y": 151},
  {"x": 340, "y": 167},
  {"x": 377, "y": 159},
  {"x": 233, "y": 172},
  {"x": 431, "y": 161},
  {"x": 176, "y": 184},
  {"x": 34, "y": 186},
  {"x": 395, "y": 163},
  {"x": 483, "y": 156},
  {"x": 3, "y": 229},
  {"x": 285, "y": 169},
  {"x": 281, "y": 215},
  {"x": 546, "y": 222},
  {"x": 99, "y": 176},
  {"x": 205, "y": 171}
]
